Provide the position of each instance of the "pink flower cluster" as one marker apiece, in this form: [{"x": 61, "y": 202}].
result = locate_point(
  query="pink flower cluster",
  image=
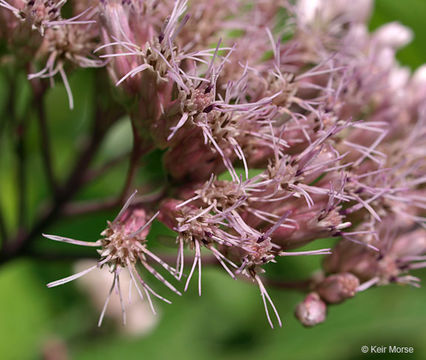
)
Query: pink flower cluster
[{"x": 319, "y": 131}]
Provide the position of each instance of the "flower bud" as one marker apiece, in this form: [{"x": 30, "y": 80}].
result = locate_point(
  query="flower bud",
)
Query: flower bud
[
  {"x": 419, "y": 77},
  {"x": 311, "y": 311},
  {"x": 394, "y": 35},
  {"x": 310, "y": 224},
  {"x": 336, "y": 288},
  {"x": 385, "y": 59},
  {"x": 132, "y": 220},
  {"x": 327, "y": 10},
  {"x": 410, "y": 244},
  {"x": 349, "y": 256},
  {"x": 398, "y": 78},
  {"x": 192, "y": 160},
  {"x": 168, "y": 211},
  {"x": 418, "y": 85}
]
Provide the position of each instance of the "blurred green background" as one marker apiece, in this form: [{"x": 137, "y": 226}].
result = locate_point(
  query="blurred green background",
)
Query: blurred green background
[{"x": 228, "y": 321}]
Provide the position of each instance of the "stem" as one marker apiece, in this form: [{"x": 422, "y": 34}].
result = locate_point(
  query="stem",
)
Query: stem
[
  {"x": 45, "y": 143},
  {"x": 24, "y": 238},
  {"x": 137, "y": 153},
  {"x": 3, "y": 229},
  {"x": 20, "y": 121},
  {"x": 301, "y": 285},
  {"x": 83, "y": 208},
  {"x": 94, "y": 206},
  {"x": 96, "y": 173},
  {"x": 59, "y": 256},
  {"x": 21, "y": 174}
]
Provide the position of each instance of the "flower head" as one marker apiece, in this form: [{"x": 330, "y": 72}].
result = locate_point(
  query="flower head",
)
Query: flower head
[
  {"x": 123, "y": 247},
  {"x": 41, "y": 14}
]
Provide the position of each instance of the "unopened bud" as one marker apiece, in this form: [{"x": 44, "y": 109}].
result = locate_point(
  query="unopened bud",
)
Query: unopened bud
[
  {"x": 394, "y": 35},
  {"x": 419, "y": 77},
  {"x": 327, "y": 10},
  {"x": 410, "y": 244},
  {"x": 192, "y": 160},
  {"x": 168, "y": 212},
  {"x": 336, "y": 288},
  {"x": 311, "y": 311},
  {"x": 132, "y": 220}
]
